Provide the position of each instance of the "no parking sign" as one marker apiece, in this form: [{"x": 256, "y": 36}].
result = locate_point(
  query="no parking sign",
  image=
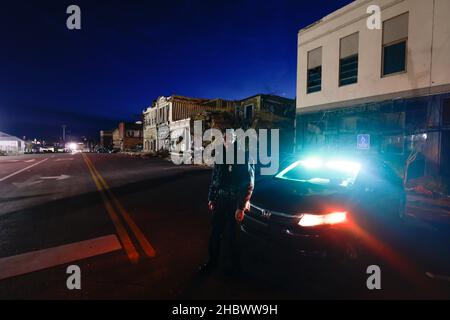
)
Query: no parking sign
[{"x": 363, "y": 142}]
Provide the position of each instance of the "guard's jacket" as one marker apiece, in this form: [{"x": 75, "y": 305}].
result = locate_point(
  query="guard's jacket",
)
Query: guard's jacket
[{"x": 232, "y": 181}]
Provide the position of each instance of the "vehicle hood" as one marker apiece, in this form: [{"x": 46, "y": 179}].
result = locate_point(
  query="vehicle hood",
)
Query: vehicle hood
[{"x": 293, "y": 197}]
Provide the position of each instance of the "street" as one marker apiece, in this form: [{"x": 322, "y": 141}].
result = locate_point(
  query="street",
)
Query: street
[{"x": 138, "y": 229}]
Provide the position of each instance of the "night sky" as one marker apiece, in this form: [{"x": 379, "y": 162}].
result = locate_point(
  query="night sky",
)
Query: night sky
[{"x": 130, "y": 52}]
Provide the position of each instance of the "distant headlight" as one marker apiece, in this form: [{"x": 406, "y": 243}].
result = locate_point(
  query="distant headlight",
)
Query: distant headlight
[
  {"x": 312, "y": 220},
  {"x": 73, "y": 146}
]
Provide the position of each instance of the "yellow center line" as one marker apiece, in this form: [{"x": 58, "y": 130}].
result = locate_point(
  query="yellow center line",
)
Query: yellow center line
[
  {"x": 145, "y": 244},
  {"x": 125, "y": 239}
]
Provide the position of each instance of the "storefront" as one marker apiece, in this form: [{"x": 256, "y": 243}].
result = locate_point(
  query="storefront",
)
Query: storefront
[
  {"x": 394, "y": 128},
  {"x": 163, "y": 137}
]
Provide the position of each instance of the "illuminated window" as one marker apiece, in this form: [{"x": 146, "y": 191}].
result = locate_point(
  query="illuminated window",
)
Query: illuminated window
[
  {"x": 395, "y": 39},
  {"x": 314, "y": 81},
  {"x": 348, "y": 60}
]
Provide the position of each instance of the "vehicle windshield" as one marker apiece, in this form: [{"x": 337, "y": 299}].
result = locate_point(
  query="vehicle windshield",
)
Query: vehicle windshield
[{"x": 317, "y": 171}]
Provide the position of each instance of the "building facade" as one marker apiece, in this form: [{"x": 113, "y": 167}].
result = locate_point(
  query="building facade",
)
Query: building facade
[
  {"x": 183, "y": 111},
  {"x": 149, "y": 129},
  {"x": 264, "y": 111},
  {"x": 128, "y": 136},
  {"x": 10, "y": 145},
  {"x": 383, "y": 91},
  {"x": 117, "y": 142},
  {"x": 163, "y": 118},
  {"x": 106, "y": 139},
  {"x": 168, "y": 125}
]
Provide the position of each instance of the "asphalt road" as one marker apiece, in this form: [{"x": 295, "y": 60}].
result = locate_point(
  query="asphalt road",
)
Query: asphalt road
[{"x": 138, "y": 229}]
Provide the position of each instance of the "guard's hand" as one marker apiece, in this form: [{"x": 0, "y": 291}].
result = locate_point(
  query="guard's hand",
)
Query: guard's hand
[
  {"x": 247, "y": 206},
  {"x": 239, "y": 215},
  {"x": 211, "y": 206}
]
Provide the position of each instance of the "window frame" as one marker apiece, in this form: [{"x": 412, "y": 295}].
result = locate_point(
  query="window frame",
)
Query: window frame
[
  {"x": 340, "y": 59},
  {"x": 340, "y": 85},
  {"x": 307, "y": 70},
  {"x": 383, "y": 46},
  {"x": 245, "y": 111}
]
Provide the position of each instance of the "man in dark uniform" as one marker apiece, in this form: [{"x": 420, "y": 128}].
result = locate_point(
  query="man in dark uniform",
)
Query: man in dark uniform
[{"x": 229, "y": 197}]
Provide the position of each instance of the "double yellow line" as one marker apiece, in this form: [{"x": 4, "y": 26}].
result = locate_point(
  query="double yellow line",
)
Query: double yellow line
[{"x": 116, "y": 211}]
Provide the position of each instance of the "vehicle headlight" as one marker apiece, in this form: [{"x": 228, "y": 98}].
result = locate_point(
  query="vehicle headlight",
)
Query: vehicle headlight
[
  {"x": 312, "y": 220},
  {"x": 73, "y": 146}
]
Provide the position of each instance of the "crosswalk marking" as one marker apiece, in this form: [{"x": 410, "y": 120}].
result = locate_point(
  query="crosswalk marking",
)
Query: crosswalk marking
[{"x": 42, "y": 259}]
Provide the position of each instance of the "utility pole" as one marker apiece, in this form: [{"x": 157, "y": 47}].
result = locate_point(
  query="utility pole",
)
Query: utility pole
[{"x": 64, "y": 133}]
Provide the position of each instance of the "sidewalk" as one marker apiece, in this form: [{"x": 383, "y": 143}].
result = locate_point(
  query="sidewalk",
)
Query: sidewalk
[{"x": 435, "y": 210}]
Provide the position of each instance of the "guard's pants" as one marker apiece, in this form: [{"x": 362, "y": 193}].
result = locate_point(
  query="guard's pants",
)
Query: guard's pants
[{"x": 225, "y": 231}]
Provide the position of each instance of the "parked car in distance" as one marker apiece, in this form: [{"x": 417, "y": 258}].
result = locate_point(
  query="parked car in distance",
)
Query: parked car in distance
[{"x": 103, "y": 150}]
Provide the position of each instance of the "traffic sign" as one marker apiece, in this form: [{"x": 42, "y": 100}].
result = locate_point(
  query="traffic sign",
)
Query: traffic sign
[{"x": 363, "y": 142}]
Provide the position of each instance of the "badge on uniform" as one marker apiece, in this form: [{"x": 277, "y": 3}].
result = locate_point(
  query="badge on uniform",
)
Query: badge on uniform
[{"x": 230, "y": 168}]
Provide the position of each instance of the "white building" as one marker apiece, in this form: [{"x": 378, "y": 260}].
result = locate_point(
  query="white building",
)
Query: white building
[
  {"x": 180, "y": 135},
  {"x": 420, "y": 28},
  {"x": 163, "y": 118},
  {"x": 390, "y": 84},
  {"x": 150, "y": 131},
  {"x": 11, "y": 145},
  {"x": 169, "y": 124}
]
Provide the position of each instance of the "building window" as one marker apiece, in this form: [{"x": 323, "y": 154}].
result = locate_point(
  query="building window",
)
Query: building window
[
  {"x": 248, "y": 112},
  {"x": 446, "y": 112},
  {"x": 395, "y": 39},
  {"x": 314, "y": 81},
  {"x": 348, "y": 60}
]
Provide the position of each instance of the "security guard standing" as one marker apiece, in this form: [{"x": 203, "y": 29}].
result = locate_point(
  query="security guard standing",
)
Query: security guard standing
[{"x": 229, "y": 197}]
